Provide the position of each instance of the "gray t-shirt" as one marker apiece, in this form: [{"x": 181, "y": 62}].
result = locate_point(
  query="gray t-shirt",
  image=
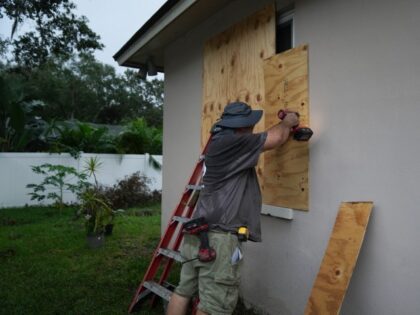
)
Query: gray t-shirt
[{"x": 231, "y": 196}]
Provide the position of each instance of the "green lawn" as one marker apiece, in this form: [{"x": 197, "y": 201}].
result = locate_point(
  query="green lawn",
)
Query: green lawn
[{"x": 47, "y": 268}]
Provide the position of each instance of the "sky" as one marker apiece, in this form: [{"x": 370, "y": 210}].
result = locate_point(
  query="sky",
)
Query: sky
[{"x": 114, "y": 20}]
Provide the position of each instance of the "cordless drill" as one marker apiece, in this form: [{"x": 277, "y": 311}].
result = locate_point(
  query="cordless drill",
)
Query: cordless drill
[
  {"x": 200, "y": 227},
  {"x": 299, "y": 133}
]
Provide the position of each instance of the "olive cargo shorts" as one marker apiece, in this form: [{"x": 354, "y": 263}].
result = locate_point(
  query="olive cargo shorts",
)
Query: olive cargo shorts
[{"x": 217, "y": 282}]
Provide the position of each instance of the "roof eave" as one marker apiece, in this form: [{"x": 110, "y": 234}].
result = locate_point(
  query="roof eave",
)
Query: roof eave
[
  {"x": 142, "y": 40},
  {"x": 172, "y": 20}
]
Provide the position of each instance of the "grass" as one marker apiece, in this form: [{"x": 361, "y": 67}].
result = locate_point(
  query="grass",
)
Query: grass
[{"x": 47, "y": 268}]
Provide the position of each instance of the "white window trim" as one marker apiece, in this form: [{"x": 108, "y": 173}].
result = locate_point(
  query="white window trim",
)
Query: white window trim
[{"x": 278, "y": 212}]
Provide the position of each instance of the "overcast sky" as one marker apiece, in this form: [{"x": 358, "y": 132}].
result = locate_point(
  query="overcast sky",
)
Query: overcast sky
[{"x": 114, "y": 20}]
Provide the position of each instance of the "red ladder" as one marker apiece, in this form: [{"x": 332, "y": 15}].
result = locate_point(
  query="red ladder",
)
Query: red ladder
[{"x": 167, "y": 250}]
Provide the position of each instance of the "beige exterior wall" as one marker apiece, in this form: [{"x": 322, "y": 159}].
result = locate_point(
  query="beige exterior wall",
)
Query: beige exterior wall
[{"x": 364, "y": 100}]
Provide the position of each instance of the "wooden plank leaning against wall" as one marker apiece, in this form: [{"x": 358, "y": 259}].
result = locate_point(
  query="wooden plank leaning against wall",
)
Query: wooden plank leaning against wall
[{"x": 340, "y": 258}]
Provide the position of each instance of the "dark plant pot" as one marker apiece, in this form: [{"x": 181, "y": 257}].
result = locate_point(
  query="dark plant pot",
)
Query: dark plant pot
[
  {"x": 95, "y": 240},
  {"x": 108, "y": 229}
]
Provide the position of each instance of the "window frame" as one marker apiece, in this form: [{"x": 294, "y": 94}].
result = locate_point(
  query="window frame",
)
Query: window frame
[{"x": 284, "y": 17}]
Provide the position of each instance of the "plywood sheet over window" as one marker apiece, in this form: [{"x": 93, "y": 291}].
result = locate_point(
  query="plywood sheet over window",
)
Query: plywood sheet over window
[
  {"x": 285, "y": 175},
  {"x": 238, "y": 64},
  {"x": 233, "y": 68}
]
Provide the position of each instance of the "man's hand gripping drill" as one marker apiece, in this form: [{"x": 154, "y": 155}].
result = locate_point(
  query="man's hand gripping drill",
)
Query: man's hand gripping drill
[{"x": 299, "y": 133}]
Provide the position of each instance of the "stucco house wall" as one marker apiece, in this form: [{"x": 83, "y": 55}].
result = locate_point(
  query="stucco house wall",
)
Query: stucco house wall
[{"x": 364, "y": 89}]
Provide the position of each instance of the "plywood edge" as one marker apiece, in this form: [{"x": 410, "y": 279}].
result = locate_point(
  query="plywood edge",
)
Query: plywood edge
[
  {"x": 290, "y": 52},
  {"x": 286, "y": 169},
  {"x": 340, "y": 258}
]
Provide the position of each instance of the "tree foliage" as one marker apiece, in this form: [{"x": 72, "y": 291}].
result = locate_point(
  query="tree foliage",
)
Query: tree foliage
[
  {"x": 20, "y": 126},
  {"x": 57, "y": 180},
  {"x": 56, "y": 31},
  {"x": 138, "y": 138},
  {"x": 81, "y": 137},
  {"x": 87, "y": 90},
  {"x": 54, "y": 77}
]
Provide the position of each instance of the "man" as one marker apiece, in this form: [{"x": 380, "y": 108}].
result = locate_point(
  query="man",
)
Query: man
[{"x": 231, "y": 198}]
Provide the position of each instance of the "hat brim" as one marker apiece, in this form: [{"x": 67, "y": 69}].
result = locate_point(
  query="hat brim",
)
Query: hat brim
[{"x": 241, "y": 121}]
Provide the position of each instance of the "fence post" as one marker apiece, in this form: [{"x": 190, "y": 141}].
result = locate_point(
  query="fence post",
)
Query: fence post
[{"x": 146, "y": 164}]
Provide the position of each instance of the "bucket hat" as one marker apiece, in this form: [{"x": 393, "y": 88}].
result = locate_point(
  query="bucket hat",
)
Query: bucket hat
[{"x": 239, "y": 115}]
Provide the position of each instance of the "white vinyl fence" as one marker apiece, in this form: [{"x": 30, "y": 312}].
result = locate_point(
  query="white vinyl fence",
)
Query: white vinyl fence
[{"x": 16, "y": 172}]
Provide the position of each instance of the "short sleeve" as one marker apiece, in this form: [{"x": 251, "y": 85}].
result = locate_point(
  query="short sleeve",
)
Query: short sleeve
[
  {"x": 235, "y": 153},
  {"x": 251, "y": 146}
]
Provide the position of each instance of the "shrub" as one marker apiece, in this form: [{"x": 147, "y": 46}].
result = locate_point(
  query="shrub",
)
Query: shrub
[
  {"x": 57, "y": 179},
  {"x": 21, "y": 127},
  {"x": 96, "y": 212},
  {"x": 81, "y": 138},
  {"x": 139, "y": 138},
  {"x": 129, "y": 192}
]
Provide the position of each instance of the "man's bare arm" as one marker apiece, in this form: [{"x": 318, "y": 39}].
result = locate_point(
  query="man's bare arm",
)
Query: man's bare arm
[{"x": 278, "y": 134}]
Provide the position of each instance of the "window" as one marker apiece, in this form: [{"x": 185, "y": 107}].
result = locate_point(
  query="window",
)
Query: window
[{"x": 284, "y": 31}]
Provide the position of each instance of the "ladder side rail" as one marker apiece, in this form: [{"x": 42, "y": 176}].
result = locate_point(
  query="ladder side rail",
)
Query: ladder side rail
[
  {"x": 169, "y": 262},
  {"x": 157, "y": 258},
  {"x": 194, "y": 179},
  {"x": 180, "y": 209},
  {"x": 180, "y": 236},
  {"x": 172, "y": 224},
  {"x": 170, "y": 229}
]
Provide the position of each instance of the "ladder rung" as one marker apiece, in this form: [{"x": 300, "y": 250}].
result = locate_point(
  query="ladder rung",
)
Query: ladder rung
[
  {"x": 180, "y": 219},
  {"x": 171, "y": 254},
  {"x": 194, "y": 187},
  {"x": 143, "y": 295},
  {"x": 159, "y": 290}
]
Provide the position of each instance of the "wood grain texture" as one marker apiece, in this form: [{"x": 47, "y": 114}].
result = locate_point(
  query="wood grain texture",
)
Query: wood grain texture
[
  {"x": 233, "y": 68},
  {"x": 286, "y": 169},
  {"x": 340, "y": 259}
]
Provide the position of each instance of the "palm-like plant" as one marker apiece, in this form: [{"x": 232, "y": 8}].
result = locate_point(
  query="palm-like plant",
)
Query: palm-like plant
[
  {"x": 139, "y": 138},
  {"x": 82, "y": 138},
  {"x": 96, "y": 212},
  {"x": 92, "y": 165},
  {"x": 19, "y": 125}
]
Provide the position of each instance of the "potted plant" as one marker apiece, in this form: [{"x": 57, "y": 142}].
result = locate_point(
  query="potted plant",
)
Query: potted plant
[{"x": 98, "y": 214}]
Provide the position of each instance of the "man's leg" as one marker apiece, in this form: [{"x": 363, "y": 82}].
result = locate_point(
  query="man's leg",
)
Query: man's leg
[
  {"x": 219, "y": 279},
  {"x": 188, "y": 285},
  {"x": 177, "y": 305}
]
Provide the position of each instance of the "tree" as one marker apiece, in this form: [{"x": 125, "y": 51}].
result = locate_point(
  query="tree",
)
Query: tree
[
  {"x": 21, "y": 127},
  {"x": 57, "y": 31},
  {"x": 88, "y": 90},
  {"x": 57, "y": 179},
  {"x": 138, "y": 138},
  {"x": 82, "y": 138},
  {"x": 145, "y": 98}
]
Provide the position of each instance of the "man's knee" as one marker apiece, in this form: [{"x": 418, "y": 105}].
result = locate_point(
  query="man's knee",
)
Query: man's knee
[{"x": 178, "y": 305}]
